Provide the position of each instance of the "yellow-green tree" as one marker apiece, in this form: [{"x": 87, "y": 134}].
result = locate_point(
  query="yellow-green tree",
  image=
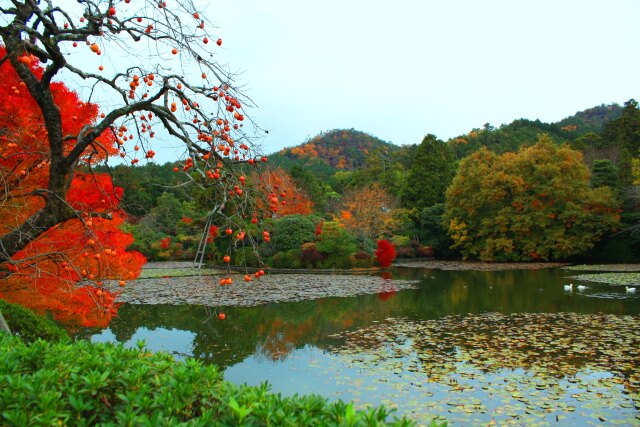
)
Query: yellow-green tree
[{"x": 535, "y": 204}]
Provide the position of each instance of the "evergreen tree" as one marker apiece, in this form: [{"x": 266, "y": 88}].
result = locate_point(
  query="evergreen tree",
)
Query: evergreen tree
[
  {"x": 604, "y": 174},
  {"x": 430, "y": 174}
]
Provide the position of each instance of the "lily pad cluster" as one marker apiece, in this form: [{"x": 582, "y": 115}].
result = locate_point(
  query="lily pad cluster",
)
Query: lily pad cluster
[
  {"x": 519, "y": 369},
  {"x": 156, "y": 273},
  {"x": 603, "y": 267},
  {"x": 616, "y": 279}
]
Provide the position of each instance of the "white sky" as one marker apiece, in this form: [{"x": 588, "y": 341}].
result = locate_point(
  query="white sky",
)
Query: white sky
[{"x": 402, "y": 69}]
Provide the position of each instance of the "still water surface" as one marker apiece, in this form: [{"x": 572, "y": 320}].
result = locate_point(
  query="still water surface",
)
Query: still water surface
[{"x": 509, "y": 346}]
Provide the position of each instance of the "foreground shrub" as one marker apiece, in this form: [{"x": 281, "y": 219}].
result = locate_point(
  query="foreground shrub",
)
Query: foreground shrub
[
  {"x": 87, "y": 384},
  {"x": 30, "y": 326}
]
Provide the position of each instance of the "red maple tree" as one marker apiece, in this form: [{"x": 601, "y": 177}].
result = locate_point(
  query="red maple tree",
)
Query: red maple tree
[
  {"x": 385, "y": 254},
  {"x": 148, "y": 66},
  {"x": 61, "y": 270}
]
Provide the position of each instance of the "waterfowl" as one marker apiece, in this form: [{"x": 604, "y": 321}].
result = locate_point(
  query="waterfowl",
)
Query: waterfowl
[
  {"x": 568, "y": 287},
  {"x": 630, "y": 289},
  {"x": 581, "y": 287}
]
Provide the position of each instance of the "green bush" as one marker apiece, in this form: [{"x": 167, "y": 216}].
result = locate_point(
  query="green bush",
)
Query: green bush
[
  {"x": 82, "y": 383},
  {"x": 29, "y": 326},
  {"x": 335, "y": 241},
  {"x": 291, "y": 231},
  {"x": 288, "y": 259},
  {"x": 341, "y": 262},
  {"x": 400, "y": 240}
]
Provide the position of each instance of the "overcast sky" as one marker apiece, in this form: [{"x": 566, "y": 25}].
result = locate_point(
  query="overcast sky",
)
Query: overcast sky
[{"x": 399, "y": 70}]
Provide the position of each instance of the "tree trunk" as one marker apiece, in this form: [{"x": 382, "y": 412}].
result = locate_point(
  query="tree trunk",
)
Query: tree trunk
[{"x": 3, "y": 325}]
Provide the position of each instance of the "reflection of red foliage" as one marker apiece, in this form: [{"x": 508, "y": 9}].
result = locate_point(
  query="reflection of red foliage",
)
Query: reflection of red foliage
[
  {"x": 385, "y": 253},
  {"x": 386, "y": 275},
  {"x": 383, "y": 296}
]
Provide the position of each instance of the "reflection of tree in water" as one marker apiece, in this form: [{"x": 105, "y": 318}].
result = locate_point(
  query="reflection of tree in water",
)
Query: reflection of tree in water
[
  {"x": 272, "y": 330},
  {"x": 553, "y": 345}
]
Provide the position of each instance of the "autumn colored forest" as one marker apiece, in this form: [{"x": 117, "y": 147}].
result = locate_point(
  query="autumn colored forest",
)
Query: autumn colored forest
[{"x": 553, "y": 191}]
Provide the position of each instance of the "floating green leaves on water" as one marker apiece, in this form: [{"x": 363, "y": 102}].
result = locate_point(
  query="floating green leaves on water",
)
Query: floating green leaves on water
[
  {"x": 618, "y": 279},
  {"x": 519, "y": 369},
  {"x": 603, "y": 267}
]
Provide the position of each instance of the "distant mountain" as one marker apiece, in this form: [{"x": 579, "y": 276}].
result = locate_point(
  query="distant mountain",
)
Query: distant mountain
[
  {"x": 591, "y": 119},
  {"x": 338, "y": 149}
]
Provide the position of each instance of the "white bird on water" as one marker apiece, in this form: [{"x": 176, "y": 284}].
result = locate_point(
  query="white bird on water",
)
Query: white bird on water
[
  {"x": 568, "y": 287},
  {"x": 582, "y": 287},
  {"x": 630, "y": 289}
]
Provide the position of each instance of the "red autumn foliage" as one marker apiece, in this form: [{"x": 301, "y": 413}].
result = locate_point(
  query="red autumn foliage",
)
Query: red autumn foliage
[
  {"x": 283, "y": 196},
  {"x": 385, "y": 254},
  {"x": 62, "y": 270},
  {"x": 164, "y": 243}
]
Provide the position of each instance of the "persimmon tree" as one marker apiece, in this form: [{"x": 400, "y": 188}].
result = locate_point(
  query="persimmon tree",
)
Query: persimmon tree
[
  {"x": 536, "y": 204},
  {"x": 153, "y": 70},
  {"x": 284, "y": 197}
]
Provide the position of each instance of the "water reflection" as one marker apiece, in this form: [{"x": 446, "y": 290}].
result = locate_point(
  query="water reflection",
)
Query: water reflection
[{"x": 453, "y": 337}]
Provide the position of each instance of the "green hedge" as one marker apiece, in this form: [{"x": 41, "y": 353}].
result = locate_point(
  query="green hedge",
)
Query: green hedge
[
  {"x": 82, "y": 384},
  {"x": 30, "y": 326}
]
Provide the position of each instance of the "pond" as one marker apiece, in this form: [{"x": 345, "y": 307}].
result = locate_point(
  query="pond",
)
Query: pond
[{"x": 472, "y": 347}]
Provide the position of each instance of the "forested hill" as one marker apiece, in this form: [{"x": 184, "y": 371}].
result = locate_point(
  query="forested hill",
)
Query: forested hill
[
  {"x": 338, "y": 149},
  {"x": 510, "y": 137},
  {"x": 591, "y": 119}
]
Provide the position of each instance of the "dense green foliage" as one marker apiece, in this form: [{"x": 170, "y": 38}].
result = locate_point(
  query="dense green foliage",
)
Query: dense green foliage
[
  {"x": 432, "y": 230},
  {"x": 87, "y": 384},
  {"x": 530, "y": 205},
  {"x": 29, "y": 326},
  {"x": 291, "y": 231},
  {"x": 433, "y": 168},
  {"x": 590, "y": 120},
  {"x": 506, "y": 138},
  {"x": 336, "y": 244},
  {"x": 604, "y": 174},
  {"x": 145, "y": 185}
]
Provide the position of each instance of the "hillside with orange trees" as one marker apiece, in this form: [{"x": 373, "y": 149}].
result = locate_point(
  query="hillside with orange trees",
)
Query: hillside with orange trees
[{"x": 338, "y": 149}]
